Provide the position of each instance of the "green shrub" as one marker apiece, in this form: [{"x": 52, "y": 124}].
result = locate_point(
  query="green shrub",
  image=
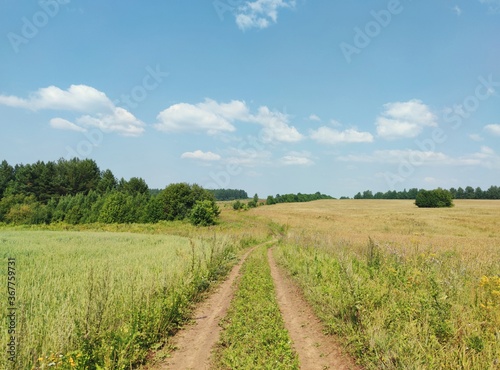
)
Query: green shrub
[
  {"x": 434, "y": 198},
  {"x": 204, "y": 213}
]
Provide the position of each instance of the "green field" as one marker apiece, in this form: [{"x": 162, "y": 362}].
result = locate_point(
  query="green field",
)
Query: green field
[{"x": 100, "y": 297}]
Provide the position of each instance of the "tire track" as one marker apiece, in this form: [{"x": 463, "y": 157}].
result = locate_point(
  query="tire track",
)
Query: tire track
[
  {"x": 315, "y": 349},
  {"x": 195, "y": 342}
]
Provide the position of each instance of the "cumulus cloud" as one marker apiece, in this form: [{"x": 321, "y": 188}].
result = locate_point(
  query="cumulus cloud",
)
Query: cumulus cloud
[
  {"x": 493, "y": 129},
  {"x": 99, "y": 111},
  {"x": 77, "y": 98},
  {"x": 209, "y": 116},
  {"x": 212, "y": 118},
  {"x": 476, "y": 137},
  {"x": 404, "y": 119},
  {"x": 119, "y": 120},
  {"x": 314, "y": 117},
  {"x": 62, "y": 124},
  {"x": 276, "y": 126},
  {"x": 248, "y": 157},
  {"x": 297, "y": 159},
  {"x": 327, "y": 135},
  {"x": 486, "y": 157},
  {"x": 396, "y": 156},
  {"x": 260, "y": 13},
  {"x": 202, "y": 156}
]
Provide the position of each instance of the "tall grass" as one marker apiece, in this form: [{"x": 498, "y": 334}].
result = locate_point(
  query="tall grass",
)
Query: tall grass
[
  {"x": 405, "y": 288},
  {"x": 90, "y": 300},
  {"x": 414, "y": 308}
]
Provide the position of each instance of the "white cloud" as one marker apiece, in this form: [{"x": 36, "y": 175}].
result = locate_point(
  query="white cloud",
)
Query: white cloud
[
  {"x": 260, "y": 13},
  {"x": 327, "y": 135},
  {"x": 314, "y": 117},
  {"x": 476, "y": 137},
  {"x": 297, "y": 159},
  {"x": 397, "y": 156},
  {"x": 119, "y": 120},
  {"x": 248, "y": 157},
  {"x": 62, "y": 124},
  {"x": 200, "y": 155},
  {"x": 404, "y": 119},
  {"x": 276, "y": 126},
  {"x": 214, "y": 118},
  {"x": 493, "y": 129},
  {"x": 208, "y": 116},
  {"x": 486, "y": 157},
  {"x": 78, "y": 98},
  {"x": 99, "y": 111}
]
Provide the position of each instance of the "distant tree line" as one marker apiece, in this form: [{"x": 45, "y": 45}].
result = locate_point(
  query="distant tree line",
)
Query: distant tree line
[
  {"x": 294, "y": 198},
  {"x": 76, "y": 191},
  {"x": 468, "y": 193},
  {"x": 229, "y": 194}
]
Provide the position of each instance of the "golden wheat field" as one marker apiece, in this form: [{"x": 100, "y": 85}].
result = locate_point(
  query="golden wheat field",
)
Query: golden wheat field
[
  {"x": 472, "y": 226},
  {"x": 403, "y": 287}
]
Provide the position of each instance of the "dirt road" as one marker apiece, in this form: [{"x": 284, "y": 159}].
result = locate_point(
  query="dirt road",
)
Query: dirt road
[
  {"x": 315, "y": 349},
  {"x": 194, "y": 343}
]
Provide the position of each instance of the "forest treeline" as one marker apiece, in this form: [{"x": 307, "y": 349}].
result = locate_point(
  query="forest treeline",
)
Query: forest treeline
[
  {"x": 229, "y": 194},
  {"x": 295, "y": 198},
  {"x": 76, "y": 191},
  {"x": 469, "y": 192}
]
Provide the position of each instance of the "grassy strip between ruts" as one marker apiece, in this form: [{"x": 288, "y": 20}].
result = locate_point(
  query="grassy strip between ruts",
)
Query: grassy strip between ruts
[{"x": 254, "y": 336}]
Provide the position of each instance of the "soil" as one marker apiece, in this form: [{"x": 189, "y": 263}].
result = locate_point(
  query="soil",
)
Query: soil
[
  {"x": 315, "y": 349},
  {"x": 195, "y": 342}
]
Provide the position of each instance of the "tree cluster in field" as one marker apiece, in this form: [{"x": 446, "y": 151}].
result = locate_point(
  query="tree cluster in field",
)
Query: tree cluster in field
[
  {"x": 286, "y": 198},
  {"x": 229, "y": 194},
  {"x": 239, "y": 205},
  {"x": 76, "y": 192},
  {"x": 468, "y": 193},
  {"x": 295, "y": 198},
  {"x": 437, "y": 198}
]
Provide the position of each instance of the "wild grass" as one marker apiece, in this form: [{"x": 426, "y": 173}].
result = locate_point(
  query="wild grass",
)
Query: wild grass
[
  {"x": 254, "y": 336},
  {"x": 92, "y": 300},
  {"x": 403, "y": 288}
]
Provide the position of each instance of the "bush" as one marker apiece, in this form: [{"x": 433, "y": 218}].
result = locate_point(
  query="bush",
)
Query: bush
[
  {"x": 117, "y": 208},
  {"x": 204, "y": 213},
  {"x": 434, "y": 198},
  {"x": 179, "y": 199}
]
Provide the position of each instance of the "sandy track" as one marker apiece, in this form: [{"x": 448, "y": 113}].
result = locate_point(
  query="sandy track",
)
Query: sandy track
[
  {"x": 195, "y": 342},
  {"x": 315, "y": 349}
]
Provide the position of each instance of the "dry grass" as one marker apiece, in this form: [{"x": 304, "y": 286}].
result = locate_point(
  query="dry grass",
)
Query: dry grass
[
  {"x": 404, "y": 287},
  {"x": 470, "y": 227}
]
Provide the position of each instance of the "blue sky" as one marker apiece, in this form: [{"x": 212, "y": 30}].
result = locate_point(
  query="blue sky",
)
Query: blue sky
[{"x": 270, "y": 96}]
